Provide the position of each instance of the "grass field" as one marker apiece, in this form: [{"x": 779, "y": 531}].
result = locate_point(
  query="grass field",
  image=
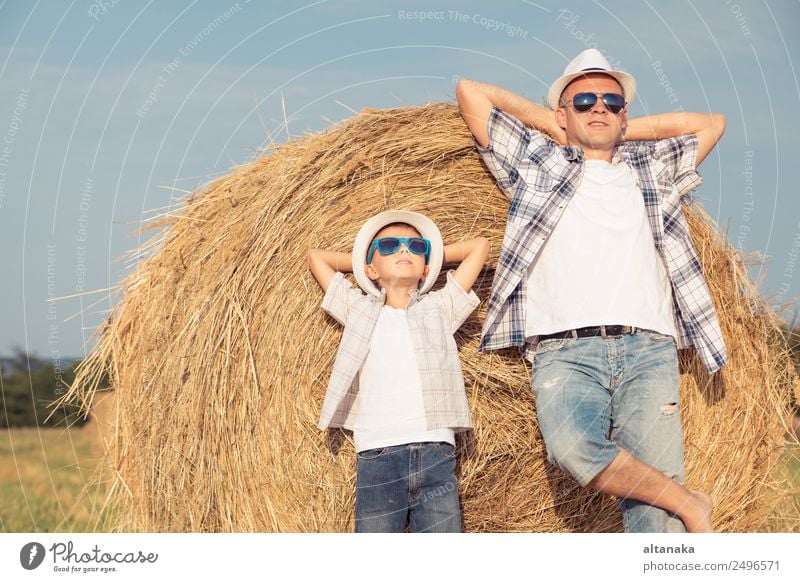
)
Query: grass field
[
  {"x": 42, "y": 478},
  {"x": 43, "y": 474},
  {"x": 786, "y": 516}
]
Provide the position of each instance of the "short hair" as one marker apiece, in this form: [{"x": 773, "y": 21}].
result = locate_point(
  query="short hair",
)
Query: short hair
[{"x": 384, "y": 227}]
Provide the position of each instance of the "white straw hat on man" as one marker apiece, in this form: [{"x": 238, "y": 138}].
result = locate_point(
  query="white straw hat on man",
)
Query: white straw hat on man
[{"x": 590, "y": 61}]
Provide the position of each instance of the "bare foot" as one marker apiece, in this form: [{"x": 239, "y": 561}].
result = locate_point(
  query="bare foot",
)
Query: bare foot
[{"x": 697, "y": 518}]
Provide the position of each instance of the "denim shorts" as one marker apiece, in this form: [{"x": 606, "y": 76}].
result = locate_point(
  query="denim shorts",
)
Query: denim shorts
[
  {"x": 595, "y": 395},
  {"x": 410, "y": 486}
]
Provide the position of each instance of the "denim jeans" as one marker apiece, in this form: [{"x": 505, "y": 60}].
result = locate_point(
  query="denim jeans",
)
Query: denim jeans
[
  {"x": 410, "y": 485},
  {"x": 595, "y": 395}
]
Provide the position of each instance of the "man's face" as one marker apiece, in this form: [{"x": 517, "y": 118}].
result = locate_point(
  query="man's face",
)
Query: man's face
[
  {"x": 400, "y": 268},
  {"x": 598, "y": 128}
]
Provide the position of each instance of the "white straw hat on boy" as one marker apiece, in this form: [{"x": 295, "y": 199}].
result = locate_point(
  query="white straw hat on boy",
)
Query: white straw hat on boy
[
  {"x": 590, "y": 61},
  {"x": 424, "y": 225}
]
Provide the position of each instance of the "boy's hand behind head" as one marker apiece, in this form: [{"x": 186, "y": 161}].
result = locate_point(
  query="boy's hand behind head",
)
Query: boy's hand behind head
[{"x": 325, "y": 264}]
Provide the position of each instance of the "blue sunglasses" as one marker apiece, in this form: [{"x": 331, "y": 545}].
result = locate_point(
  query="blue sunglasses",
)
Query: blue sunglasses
[
  {"x": 388, "y": 245},
  {"x": 583, "y": 102}
]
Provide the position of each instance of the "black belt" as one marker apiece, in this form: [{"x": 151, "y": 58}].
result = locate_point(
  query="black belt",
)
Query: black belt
[{"x": 601, "y": 330}]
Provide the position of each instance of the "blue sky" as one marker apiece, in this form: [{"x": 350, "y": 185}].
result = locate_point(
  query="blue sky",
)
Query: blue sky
[{"x": 113, "y": 108}]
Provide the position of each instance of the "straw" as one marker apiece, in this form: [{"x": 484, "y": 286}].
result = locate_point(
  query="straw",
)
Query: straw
[{"x": 219, "y": 353}]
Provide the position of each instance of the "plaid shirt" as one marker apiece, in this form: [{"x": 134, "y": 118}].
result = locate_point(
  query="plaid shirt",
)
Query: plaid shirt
[
  {"x": 432, "y": 320},
  {"x": 540, "y": 177}
]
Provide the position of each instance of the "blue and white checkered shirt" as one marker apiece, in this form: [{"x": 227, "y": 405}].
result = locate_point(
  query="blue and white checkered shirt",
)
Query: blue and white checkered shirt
[
  {"x": 432, "y": 318},
  {"x": 541, "y": 176}
]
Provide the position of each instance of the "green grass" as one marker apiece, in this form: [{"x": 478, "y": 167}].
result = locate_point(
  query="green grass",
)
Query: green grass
[
  {"x": 786, "y": 516},
  {"x": 43, "y": 478}
]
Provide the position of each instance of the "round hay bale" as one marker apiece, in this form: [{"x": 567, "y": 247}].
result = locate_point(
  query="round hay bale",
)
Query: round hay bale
[
  {"x": 102, "y": 421},
  {"x": 220, "y": 354}
]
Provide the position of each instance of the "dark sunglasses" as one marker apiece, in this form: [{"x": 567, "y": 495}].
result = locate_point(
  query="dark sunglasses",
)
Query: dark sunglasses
[
  {"x": 583, "y": 102},
  {"x": 389, "y": 245}
]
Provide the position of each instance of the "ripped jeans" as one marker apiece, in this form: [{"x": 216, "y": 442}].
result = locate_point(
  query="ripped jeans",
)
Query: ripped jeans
[{"x": 596, "y": 395}]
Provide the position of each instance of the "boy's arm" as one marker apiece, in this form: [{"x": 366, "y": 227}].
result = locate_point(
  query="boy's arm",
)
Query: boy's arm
[
  {"x": 472, "y": 255},
  {"x": 708, "y": 127},
  {"x": 325, "y": 264},
  {"x": 475, "y": 100}
]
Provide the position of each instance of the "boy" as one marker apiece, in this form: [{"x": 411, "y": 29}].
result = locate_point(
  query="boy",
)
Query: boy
[{"x": 397, "y": 379}]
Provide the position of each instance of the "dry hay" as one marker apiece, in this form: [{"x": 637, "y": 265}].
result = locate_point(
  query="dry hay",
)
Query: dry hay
[
  {"x": 102, "y": 421},
  {"x": 220, "y": 353}
]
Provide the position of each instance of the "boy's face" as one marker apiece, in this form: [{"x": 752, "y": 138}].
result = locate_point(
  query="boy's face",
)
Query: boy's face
[{"x": 402, "y": 268}]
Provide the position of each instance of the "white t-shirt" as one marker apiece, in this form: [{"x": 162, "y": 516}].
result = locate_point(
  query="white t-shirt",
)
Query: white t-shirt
[
  {"x": 600, "y": 265},
  {"x": 390, "y": 406}
]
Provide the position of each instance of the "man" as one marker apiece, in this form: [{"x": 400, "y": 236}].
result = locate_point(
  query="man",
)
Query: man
[{"x": 598, "y": 280}]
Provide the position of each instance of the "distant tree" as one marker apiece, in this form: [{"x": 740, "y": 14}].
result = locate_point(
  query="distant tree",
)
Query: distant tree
[
  {"x": 28, "y": 385},
  {"x": 791, "y": 332},
  {"x": 793, "y": 337}
]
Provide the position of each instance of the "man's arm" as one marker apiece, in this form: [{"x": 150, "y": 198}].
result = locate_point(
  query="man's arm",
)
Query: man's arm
[
  {"x": 475, "y": 100},
  {"x": 325, "y": 264},
  {"x": 708, "y": 127},
  {"x": 472, "y": 255}
]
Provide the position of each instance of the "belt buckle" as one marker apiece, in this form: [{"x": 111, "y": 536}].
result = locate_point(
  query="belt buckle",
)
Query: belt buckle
[{"x": 624, "y": 329}]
